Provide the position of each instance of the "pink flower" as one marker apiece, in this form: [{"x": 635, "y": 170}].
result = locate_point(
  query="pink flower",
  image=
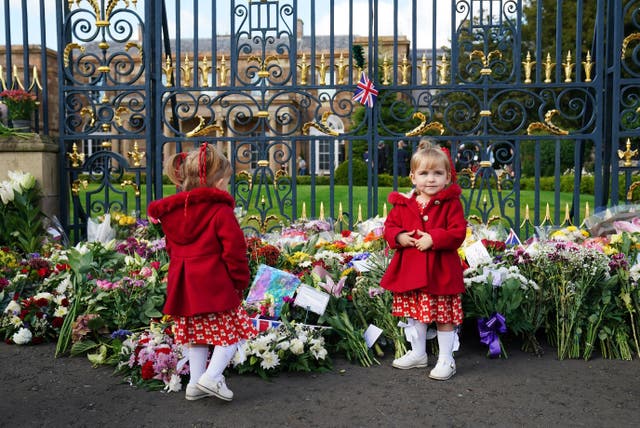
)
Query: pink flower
[
  {"x": 146, "y": 272},
  {"x": 104, "y": 284}
]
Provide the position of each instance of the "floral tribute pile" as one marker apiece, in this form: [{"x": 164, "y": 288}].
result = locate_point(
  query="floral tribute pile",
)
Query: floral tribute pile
[{"x": 565, "y": 287}]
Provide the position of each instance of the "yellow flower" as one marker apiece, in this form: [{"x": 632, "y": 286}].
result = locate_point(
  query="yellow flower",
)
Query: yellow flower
[{"x": 346, "y": 272}]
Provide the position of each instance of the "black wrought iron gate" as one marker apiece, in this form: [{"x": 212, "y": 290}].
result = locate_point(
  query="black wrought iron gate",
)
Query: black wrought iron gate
[{"x": 523, "y": 93}]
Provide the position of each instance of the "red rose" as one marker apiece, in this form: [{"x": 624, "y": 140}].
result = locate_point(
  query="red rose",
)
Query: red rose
[
  {"x": 43, "y": 272},
  {"x": 64, "y": 302},
  {"x": 42, "y": 302},
  {"x": 36, "y": 340},
  {"x": 39, "y": 315},
  {"x": 345, "y": 233},
  {"x": 62, "y": 267},
  {"x": 155, "y": 265},
  {"x": 147, "y": 371},
  {"x": 57, "y": 322}
]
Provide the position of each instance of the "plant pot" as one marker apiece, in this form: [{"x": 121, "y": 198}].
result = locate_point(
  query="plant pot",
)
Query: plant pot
[{"x": 22, "y": 124}]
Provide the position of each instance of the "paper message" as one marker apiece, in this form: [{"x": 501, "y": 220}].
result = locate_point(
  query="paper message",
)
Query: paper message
[
  {"x": 311, "y": 299},
  {"x": 371, "y": 334},
  {"x": 477, "y": 254}
]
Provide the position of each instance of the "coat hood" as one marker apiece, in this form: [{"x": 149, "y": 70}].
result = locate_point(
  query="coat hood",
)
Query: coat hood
[
  {"x": 185, "y": 215},
  {"x": 453, "y": 191}
]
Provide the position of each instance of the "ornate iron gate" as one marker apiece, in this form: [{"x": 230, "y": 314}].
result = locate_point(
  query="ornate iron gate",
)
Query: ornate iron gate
[{"x": 516, "y": 98}]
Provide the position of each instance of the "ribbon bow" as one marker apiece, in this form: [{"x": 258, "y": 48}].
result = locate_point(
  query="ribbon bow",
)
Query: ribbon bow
[
  {"x": 410, "y": 330},
  {"x": 490, "y": 329}
]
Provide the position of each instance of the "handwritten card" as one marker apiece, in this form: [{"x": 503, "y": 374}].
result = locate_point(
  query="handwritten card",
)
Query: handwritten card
[
  {"x": 477, "y": 254},
  {"x": 309, "y": 298},
  {"x": 275, "y": 283}
]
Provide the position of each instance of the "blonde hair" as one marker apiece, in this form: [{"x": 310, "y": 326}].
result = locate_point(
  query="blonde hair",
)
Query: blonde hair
[
  {"x": 199, "y": 168},
  {"x": 430, "y": 155}
]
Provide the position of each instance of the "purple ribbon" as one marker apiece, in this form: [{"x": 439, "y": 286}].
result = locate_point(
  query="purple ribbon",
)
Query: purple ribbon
[{"x": 489, "y": 330}]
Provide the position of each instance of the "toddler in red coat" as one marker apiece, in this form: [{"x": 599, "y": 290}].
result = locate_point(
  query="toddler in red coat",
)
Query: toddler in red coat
[
  {"x": 426, "y": 228},
  {"x": 208, "y": 268}
]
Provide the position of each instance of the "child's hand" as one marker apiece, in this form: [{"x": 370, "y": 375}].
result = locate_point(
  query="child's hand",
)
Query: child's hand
[
  {"x": 405, "y": 239},
  {"x": 424, "y": 242}
]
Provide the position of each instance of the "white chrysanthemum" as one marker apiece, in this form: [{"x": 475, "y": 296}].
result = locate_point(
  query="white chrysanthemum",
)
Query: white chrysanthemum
[
  {"x": 297, "y": 346},
  {"x": 64, "y": 285},
  {"x": 305, "y": 264},
  {"x": 174, "y": 385},
  {"x": 22, "y": 336},
  {"x": 269, "y": 360},
  {"x": 15, "y": 321},
  {"x": 60, "y": 311},
  {"x": 261, "y": 344},
  {"x": 43, "y": 295},
  {"x": 12, "y": 308},
  {"x": 284, "y": 345}
]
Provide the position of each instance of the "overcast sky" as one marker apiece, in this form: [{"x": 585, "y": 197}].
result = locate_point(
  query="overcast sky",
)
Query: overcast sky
[{"x": 386, "y": 13}]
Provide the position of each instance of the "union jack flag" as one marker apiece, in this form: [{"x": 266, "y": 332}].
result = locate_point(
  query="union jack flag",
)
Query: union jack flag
[
  {"x": 365, "y": 92},
  {"x": 512, "y": 239}
]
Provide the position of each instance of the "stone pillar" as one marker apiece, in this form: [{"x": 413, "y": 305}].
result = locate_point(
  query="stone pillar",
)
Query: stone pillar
[{"x": 39, "y": 157}]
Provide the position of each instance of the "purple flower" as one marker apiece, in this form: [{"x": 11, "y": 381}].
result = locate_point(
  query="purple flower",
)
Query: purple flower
[{"x": 120, "y": 334}]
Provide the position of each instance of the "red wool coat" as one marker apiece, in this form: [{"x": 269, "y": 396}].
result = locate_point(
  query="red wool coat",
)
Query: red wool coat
[
  {"x": 208, "y": 266},
  {"x": 438, "y": 269}
]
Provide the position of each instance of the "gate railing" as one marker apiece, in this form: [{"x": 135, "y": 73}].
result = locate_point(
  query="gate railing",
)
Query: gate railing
[{"x": 271, "y": 83}]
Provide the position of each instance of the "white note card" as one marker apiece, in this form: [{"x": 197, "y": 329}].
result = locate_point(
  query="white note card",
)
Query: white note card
[
  {"x": 371, "y": 334},
  {"x": 477, "y": 254},
  {"x": 311, "y": 299},
  {"x": 361, "y": 265}
]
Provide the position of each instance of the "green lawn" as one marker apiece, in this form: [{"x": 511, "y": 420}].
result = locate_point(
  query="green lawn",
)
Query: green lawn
[{"x": 360, "y": 199}]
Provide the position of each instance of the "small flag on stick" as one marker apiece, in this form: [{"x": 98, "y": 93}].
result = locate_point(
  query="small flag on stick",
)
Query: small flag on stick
[
  {"x": 512, "y": 239},
  {"x": 365, "y": 93}
]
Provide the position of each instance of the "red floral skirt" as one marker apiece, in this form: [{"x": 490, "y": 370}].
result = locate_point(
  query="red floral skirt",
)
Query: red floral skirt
[
  {"x": 428, "y": 308},
  {"x": 218, "y": 328}
]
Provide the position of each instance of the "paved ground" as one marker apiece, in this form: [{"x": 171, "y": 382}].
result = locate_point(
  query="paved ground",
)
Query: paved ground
[{"x": 38, "y": 390}]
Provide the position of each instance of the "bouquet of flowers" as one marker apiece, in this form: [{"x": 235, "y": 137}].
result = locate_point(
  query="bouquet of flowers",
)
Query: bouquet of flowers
[
  {"x": 35, "y": 319},
  {"x": 21, "y": 104},
  {"x": 495, "y": 295},
  {"x": 151, "y": 359},
  {"x": 20, "y": 215},
  {"x": 288, "y": 347}
]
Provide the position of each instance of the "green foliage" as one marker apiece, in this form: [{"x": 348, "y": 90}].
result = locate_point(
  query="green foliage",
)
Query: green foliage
[
  {"x": 358, "y": 56},
  {"x": 359, "y": 173},
  {"x": 547, "y": 157},
  {"x": 547, "y": 33},
  {"x": 21, "y": 221}
]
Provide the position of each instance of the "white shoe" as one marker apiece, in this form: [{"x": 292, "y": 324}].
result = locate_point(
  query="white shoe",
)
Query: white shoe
[
  {"x": 443, "y": 370},
  {"x": 194, "y": 393},
  {"x": 410, "y": 360},
  {"x": 217, "y": 388}
]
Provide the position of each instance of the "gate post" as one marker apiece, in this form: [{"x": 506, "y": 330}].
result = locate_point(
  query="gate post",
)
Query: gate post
[{"x": 37, "y": 156}]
